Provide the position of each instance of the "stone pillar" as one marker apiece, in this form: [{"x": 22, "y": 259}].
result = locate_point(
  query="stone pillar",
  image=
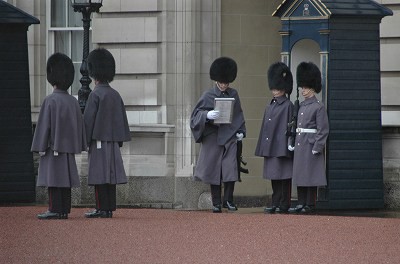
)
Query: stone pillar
[{"x": 196, "y": 43}]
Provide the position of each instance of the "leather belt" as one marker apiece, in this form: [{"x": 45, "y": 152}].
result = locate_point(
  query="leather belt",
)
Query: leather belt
[{"x": 306, "y": 130}]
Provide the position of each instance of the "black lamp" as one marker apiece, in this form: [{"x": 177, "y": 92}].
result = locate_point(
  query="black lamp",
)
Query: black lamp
[{"x": 86, "y": 7}]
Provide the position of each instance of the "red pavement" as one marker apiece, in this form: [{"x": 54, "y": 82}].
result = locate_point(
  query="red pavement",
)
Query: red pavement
[{"x": 170, "y": 236}]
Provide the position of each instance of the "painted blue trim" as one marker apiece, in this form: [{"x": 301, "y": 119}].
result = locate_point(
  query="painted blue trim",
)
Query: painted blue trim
[{"x": 305, "y": 29}]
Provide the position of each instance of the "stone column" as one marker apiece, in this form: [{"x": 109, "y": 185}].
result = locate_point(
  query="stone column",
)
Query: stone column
[{"x": 193, "y": 45}]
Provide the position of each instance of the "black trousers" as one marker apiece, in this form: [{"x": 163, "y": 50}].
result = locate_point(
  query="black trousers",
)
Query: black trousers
[
  {"x": 281, "y": 193},
  {"x": 59, "y": 200},
  {"x": 229, "y": 187},
  {"x": 106, "y": 197},
  {"x": 307, "y": 195}
]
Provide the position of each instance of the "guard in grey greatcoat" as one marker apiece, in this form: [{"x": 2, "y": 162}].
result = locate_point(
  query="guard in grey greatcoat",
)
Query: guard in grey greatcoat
[
  {"x": 273, "y": 141},
  {"x": 59, "y": 135},
  {"x": 106, "y": 128},
  {"x": 312, "y": 133},
  {"x": 217, "y": 158}
]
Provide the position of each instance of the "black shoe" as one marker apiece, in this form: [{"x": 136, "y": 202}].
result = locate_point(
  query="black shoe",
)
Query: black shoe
[
  {"x": 282, "y": 210},
  {"x": 296, "y": 210},
  {"x": 63, "y": 216},
  {"x": 307, "y": 209},
  {"x": 217, "y": 209},
  {"x": 98, "y": 214},
  {"x": 49, "y": 215},
  {"x": 230, "y": 205},
  {"x": 271, "y": 210}
]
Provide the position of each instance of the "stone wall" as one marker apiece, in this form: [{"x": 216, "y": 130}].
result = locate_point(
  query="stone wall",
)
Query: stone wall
[
  {"x": 163, "y": 51},
  {"x": 390, "y": 82},
  {"x": 250, "y": 35},
  {"x": 391, "y": 168}
]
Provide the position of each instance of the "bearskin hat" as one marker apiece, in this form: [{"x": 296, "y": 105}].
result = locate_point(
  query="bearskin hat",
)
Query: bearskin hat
[
  {"x": 223, "y": 70},
  {"x": 101, "y": 65},
  {"x": 308, "y": 75},
  {"x": 60, "y": 71},
  {"x": 280, "y": 77}
]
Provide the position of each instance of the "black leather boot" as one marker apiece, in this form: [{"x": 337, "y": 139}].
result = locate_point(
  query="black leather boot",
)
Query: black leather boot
[
  {"x": 98, "y": 214},
  {"x": 49, "y": 215},
  {"x": 230, "y": 205},
  {"x": 270, "y": 210},
  {"x": 217, "y": 209}
]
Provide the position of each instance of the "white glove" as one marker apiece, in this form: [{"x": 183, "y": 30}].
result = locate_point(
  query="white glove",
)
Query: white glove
[
  {"x": 290, "y": 148},
  {"x": 239, "y": 136},
  {"x": 42, "y": 153},
  {"x": 314, "y": 152},
  {"x": 211, "y": 115}
]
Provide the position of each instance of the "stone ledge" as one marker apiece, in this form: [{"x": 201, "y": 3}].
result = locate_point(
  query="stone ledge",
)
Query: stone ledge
[
  {"x": 156, "y": 128},
  {"x": 133, "y": 206},
  {"x": 392, "y": 195}
]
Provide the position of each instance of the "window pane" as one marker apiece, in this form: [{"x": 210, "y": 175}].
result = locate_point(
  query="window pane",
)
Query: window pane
[
  {"x": 74, "y": 18},
  {"x": 77, "y": 46},
  {"x": 58, "y": 13},
  {"x": 76, "y": 85},
  {"x": 61, "y": 42}
]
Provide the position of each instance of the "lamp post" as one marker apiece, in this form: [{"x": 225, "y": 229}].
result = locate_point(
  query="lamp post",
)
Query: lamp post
[{"x": 86, "y": 7}]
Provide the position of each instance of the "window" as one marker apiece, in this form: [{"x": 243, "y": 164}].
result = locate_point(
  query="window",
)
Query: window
[{"x": 65, "y": 35}]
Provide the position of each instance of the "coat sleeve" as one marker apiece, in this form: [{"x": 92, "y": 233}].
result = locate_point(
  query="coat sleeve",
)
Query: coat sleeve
[
  {"x": 42, "y": 132},
  {"x": 127, "y": 134},
  {"x": 242, "y": 127},
  {"x": 322, "y": 129},
  {"x": 89, "y": 116},
  {"x": 198, "y": 121},
  {"x": 259, "y": 151}
]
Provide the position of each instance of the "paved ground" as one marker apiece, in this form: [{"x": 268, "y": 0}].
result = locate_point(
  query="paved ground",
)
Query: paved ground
[{"x": 170, "y": 236}]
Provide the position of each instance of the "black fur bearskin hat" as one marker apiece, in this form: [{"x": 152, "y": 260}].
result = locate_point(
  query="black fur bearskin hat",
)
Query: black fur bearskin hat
[
  {"x": 308, "y": 75},
  {"x": 223, "y": 70},
  {"x": 60, "y": 71},
  {"x": 280, "y": 77},
  {"x": 101, "y": 65}
]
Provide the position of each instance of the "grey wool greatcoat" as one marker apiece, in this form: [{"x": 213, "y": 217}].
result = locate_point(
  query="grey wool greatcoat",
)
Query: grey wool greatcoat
[
  {"x": 273, "y": 143},
  {"x": 217, "y": 157},
  {"x": 106, "y": 128},
  {"x": 309, "y": 169},
  {"x": 59, "y": 135}
]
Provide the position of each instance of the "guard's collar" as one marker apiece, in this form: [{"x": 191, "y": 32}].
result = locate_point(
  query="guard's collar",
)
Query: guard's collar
[
  {"x": 60, "y": 91},
  {"x": 218, "y": 92},
  {"x": 279, "y": 99},
  {"x": 310, "y": 100}
]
